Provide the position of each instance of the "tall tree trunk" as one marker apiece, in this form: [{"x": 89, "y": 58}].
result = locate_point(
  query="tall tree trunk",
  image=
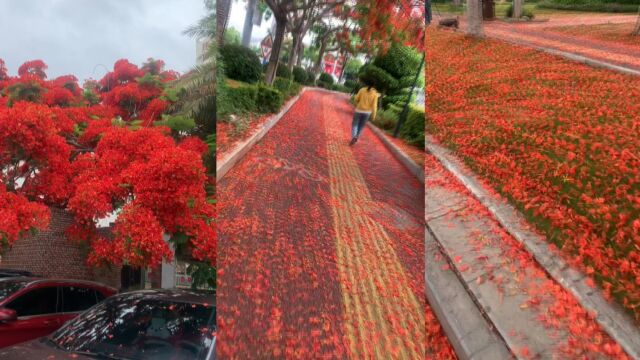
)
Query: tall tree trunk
[
  {"x": 456, "y": 2},
  {"x": 300, "y": 54},
  {"x": 295, "y": 48},
  {"x": 474, "y": 17},
  {"x": 517, "y": 9},
  {"x": 318, "y": 64},
  {"x": 636, "y": 31},
  {"x": 281, "y": 24},
  {"x": 248, "y": 22},
  {"x": 223, "y": 8}
]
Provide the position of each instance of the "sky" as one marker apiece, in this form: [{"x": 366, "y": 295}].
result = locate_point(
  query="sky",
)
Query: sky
[
  {"x": 86, "y": 37},
  {"x": 236, "y": 20}
]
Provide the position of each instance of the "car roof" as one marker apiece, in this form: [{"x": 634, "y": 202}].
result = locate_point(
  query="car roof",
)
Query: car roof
[
  {"x": 175, "y": 295},
  {"x": 33, "y": 280}
]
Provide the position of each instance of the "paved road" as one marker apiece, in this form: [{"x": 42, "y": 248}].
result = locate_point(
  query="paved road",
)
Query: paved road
[
  {"x": 321, "y": 245},
  {"x": 539, "y": 35}
]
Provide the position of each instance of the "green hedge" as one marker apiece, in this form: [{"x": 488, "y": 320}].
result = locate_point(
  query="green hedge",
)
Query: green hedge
[
  {"x": 241, "y": 99},
  {"x": 413, "y": 128},
  {"x": 283, "y": 71},
  {"x": 618, "y": 7},
  {"x": 300, "y": 75},
  {"x": 379, "y": 78},
  {"x": 241, "y": 63},
  {"x": 326, "y": 78},
  {"x": 287, "y": 87},
  {"x": 268, "y": 99}
]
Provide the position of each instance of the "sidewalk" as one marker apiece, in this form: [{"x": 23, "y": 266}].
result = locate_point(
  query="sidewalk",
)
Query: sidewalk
[{"x": 322, "y": 244}]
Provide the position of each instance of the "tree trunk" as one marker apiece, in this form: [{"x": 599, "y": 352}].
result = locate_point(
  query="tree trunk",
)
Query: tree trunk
[
  {"x": 223, "y": 8},
  {"x": 281, "y": 24},
  {"x": 300, "y": 53},
  {"x": 517, "y": 9},
  {"x": 295, "y": 47},
  {"x": 456, "y": 2},
  {"x": 248, "y": 22},
  {"x": 474, "y": 17},
  {"x": 318, "y": 64},
  {"x": 636, "y": 31}
]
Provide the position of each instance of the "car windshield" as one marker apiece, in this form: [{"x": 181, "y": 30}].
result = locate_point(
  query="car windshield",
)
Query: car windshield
[
  {"x": 141, "y": 328},
  {"x": 9, "y": 286}
]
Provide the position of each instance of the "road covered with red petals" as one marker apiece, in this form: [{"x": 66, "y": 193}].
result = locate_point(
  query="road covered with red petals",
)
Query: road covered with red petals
[
  {"x": 321, "y": 245},
  {"x": 554, "y": 34}
]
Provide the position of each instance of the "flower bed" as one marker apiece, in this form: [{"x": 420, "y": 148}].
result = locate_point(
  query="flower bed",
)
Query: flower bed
[{"x": 559, "y": 139}]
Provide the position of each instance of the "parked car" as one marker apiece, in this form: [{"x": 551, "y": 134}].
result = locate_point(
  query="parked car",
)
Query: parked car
[
  {"x": 140, "y": 325},
  {"x": 5, "y": 273},
  {"x": 33, "y": 307}
]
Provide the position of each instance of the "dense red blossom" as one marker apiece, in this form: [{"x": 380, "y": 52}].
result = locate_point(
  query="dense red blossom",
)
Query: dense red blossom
[
  {"x": 70, "y": 152},
  {"x": 34, "y": 67}
]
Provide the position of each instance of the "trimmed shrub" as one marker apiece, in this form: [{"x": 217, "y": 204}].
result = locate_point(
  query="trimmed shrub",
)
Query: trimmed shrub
[
  {"x": 240, "y": 63},
  {"x": 283, "y": 71},
  {"x": 413, "y": 127},
  {"x": 351, "y": 84},
  {"x": 268, "y": 99},
  {"x": 525, "y": 12},
  {"x": 326, "y": 78},
  {"x": 311, "y": 78},
  {"x": 242, "y": 98},
  {"x": 299, "y": 75},
  {"x": 399, "y": 61},
  {"x": 282, "y": 85},
  {"x": 388, "y": 119},
  {"x": 294, "y": 88},
  {"x": 380, "y": 79}
]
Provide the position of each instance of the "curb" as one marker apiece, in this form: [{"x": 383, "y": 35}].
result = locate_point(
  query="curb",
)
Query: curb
[
  {"x": 239, "y": 151},
  {"x": 612, "y": 318},
  {"x": 574, "y": 57},
  {"x": 415, "y": 169},
  {"x": 469, "y": 332}
]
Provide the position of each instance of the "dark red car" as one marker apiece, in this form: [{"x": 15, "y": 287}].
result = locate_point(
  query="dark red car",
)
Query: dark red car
[{"x": 33, "y": 307}]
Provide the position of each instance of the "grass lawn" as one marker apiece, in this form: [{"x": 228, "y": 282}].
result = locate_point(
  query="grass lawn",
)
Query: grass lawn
[{"x": 560, "y": 140}]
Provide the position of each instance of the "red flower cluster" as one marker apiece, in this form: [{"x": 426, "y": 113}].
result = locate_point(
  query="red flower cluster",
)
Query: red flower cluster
[
  {"x": 555, "y": 137},
  {"x": 60, "y": 148}
]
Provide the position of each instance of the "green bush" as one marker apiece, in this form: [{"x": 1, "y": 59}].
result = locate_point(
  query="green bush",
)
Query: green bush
[
  {"x": 413, "y": 127},
  {"x": 378, "y": 78},
  {"x": 268, "y": 99},
  {"x": 326, "y": 78},
  {"x": 299, "y": 75},
  {"x": 294, "y": 89},
  {"x": 283, "y": 71},
  {"x": 351, "y": 84},
  {"x": 399, "y": 61},
  {"x": 240, "y": 63},
  {"x": 388, "y": 119},
  {"x": 282, "y": 85},
  {"x": 242, "y": 98},
  {"x": 341, "y": 88},
  {"x": 525, "y": 12},
  {"x": 618, "y": 6},
  {"x": 311, "y": 78}
]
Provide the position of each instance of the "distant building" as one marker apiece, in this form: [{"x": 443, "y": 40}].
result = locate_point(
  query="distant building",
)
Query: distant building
[{"x": 202, "y": 45}]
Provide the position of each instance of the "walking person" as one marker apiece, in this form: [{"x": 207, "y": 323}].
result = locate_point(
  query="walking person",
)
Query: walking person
[{"x": 366, "y": 102}]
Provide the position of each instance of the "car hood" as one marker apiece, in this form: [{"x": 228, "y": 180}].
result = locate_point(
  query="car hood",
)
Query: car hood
[{"x": 36, "y": 349}]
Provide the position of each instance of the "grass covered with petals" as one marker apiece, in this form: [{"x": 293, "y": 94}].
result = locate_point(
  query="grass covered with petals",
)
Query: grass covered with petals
[{"x": 559, "y": 139}]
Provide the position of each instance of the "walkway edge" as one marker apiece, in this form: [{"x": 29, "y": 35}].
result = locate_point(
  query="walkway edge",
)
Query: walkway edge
[
  {"x": 415, "y": 169},
  {"x": 469, "y": 332},
  {"x": 572, "y": 56},
  {"x": 612, "y": 318},
  {"x": 239, "y": 151}
]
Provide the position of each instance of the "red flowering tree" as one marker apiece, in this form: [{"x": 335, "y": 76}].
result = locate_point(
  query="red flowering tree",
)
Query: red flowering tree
[{"x": 102, "y": 150}]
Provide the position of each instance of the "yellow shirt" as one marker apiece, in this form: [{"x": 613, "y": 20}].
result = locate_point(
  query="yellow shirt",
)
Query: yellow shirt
[{"x": 367, "y": 100}]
